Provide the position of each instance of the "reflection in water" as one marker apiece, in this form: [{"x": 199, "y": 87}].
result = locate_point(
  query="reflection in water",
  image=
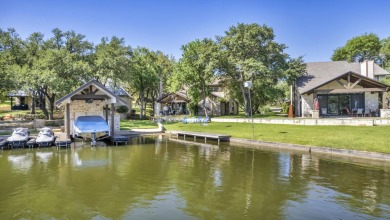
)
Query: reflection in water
[
  {"x": 44, "y": 157},
  {"x": 159, "y": 179},
  {"x": 21, "y": 163}
]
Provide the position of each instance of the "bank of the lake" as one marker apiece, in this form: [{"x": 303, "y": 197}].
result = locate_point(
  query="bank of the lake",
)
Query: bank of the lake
[{"x": 361, "y": 138}]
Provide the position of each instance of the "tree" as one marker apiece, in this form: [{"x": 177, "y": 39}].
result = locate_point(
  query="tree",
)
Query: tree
[
  {"x": 385, "y": 53},
  {"x": 164, "y": 67},
  {"x": 112, "y": 60},
  {"x": 360, "y": 48},
  {"x": 196, "y": 69},
  {"x": 56, "y": 66},
  {"x": 250, "y": 53},
  {"x": 142, "y": 75},
  {"x": 11, "y": 60}
]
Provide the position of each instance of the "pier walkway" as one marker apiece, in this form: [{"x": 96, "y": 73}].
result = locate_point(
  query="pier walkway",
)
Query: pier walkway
[{"x": 219, "y": 137}]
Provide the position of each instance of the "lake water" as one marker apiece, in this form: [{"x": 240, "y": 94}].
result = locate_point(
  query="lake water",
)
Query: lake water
[{"x": 161, "y": 179}]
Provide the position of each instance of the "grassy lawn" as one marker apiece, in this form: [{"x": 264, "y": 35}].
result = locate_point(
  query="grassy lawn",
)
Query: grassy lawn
[
  {"x": 130, "y": 124},
  {"x": 373, "y": 139}
]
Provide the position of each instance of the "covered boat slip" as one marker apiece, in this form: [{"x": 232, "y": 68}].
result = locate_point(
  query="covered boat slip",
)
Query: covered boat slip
[
  {"x": 88, "y": 126},
  {"x": 91, "y": 99},
  {"x": 219, "y": 137}
]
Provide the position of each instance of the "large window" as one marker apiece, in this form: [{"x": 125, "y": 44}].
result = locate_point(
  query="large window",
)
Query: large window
[{"x": 336, "y": 104}]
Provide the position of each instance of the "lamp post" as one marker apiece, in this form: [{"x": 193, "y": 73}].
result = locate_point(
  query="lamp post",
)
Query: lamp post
[{"x": 248, "y": 84}]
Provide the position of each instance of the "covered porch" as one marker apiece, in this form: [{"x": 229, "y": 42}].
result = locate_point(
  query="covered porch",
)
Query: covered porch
[
  {"x": 350, "y": 95},
  {"x": 172, "y": 104}
]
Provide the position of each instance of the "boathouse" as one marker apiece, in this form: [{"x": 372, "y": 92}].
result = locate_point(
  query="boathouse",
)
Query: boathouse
[{"x": 92, "y": 98}]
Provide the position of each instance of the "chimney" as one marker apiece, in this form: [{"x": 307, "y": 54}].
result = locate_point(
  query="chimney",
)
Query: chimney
[{"x": 367, "y": 68}]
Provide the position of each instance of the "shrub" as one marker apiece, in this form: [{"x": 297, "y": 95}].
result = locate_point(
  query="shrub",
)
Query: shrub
[
  {"x": 285, "y": 107},
  {"x": 122, "y": 109},
  {"x": 265, "y": 109}
]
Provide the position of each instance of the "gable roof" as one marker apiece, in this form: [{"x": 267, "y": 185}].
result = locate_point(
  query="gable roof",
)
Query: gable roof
[
  {"x": 119, "y": 91},
  {"x": 180, "y": 96},
  {"x": 321, "y": 73},
  {"x": 108, "y": 94}
]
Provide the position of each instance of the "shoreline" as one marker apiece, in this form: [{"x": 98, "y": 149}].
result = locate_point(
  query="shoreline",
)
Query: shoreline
[{"x": 314, "y": 149}]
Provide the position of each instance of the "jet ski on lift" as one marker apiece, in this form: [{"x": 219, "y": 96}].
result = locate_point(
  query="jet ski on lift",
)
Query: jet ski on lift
[
  {"x": 18, "y": 138},
  {"x": 91, "y": 127},
  {"x": 45, "y": 137}
]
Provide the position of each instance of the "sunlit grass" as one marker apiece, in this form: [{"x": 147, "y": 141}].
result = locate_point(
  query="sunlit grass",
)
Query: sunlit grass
[
  {"x": 130, "y": 124},
  {"x": 373, "y": 138}
]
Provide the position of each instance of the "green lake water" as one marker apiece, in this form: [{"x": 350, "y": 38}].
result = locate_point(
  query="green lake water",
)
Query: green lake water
[{"x": 154, "y": 178}]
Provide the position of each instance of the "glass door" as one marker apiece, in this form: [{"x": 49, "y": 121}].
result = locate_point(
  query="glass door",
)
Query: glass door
[
  {"x": 333, "y": 105},
  {"x": 344, "y": 104}
]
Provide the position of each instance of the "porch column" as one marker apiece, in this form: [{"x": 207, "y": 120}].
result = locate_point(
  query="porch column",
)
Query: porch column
[
  {"x": 67, "y": 121},
  {"x": 385, "y": 104},
  {"x": 106, "y": 113},
  {"x": 112, "y": 119}
]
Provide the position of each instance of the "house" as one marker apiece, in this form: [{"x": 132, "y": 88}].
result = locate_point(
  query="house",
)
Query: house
[
  {"x": 92, "y": 98},
  {"x": 339, "y": 86},
  {"x": 119, "y": 91},
  {"x": 23, "y": 100},
  {"x": 216, "y": 103}
]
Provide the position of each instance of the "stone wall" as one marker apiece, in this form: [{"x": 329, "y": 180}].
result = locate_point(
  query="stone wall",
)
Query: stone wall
[
  {"x": 385, "y": 113},
  {"x": 307, "y": 105},
  {"x": 81, "y": 108}
]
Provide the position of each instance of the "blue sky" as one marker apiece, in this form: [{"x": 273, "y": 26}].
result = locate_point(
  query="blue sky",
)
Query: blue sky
[{"x": 309, "y": 28}]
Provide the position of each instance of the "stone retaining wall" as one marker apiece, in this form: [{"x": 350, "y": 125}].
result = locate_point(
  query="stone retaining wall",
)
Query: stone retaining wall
[{"x": 304, "y": 121}]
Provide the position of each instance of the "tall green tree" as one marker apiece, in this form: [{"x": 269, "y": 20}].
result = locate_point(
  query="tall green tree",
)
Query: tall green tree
[
  {"x": 249, "y": 52},
  {"x": 12, "y": 59},
  {"x": 164, "y": 67},
  {"x": 112, "y": 59},
  {"x": 55, "y": 68},
  {"x": 385, "y": 53},
  {"x": 360, "y": 48},
  {"x": 143, "y": 74},
  {"x": 196, "y": 68}
]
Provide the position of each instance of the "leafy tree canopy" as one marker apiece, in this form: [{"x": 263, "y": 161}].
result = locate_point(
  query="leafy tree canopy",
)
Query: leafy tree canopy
[{"x": 360, "y": 48}]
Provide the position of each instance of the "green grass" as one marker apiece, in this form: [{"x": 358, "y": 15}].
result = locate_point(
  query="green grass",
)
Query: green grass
[
  {"x": 130, "y": 124},
  {"x": 374, "y": 139},
  {"x": 14, "y": 112}
]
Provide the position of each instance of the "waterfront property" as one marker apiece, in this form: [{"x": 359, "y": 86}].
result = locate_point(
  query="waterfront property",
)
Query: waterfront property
[
  {"x": 342, "y": 88},
  {"x": 91, "y": 99}
]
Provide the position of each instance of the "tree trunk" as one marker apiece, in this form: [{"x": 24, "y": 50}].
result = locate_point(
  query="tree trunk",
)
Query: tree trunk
[
  {"x": 34, "y": 95},
  {"x": 42, "y": 103},
  {"x": 141, "y": 105},
  {"x": 246, "y": 100},
  {"x": 51, "y": 106},
  {"x": 204, "y": 99}
]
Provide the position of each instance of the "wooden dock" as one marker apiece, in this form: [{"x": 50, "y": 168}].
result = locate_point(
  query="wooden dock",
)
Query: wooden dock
[{"x": 206, "y": 136}]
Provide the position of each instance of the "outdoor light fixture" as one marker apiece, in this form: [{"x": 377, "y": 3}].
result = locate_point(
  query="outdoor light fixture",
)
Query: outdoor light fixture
[{"x": 248, "y": 84}]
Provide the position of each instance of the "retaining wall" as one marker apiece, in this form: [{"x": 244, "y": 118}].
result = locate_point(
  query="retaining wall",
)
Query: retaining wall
[{"x": 310, "y": 121}]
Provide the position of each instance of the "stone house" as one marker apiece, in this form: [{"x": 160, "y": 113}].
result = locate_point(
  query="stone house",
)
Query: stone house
[
  {"x": 339, "y": 86},
  {"x": 92, "y": 98},
  {"x": 216, "y": 103}
]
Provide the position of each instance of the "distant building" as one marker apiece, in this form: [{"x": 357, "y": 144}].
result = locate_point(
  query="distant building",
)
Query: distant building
[
  {"x": 340, "y": 85},
  {"x": 20, "y": 100},
  {"x": 216, "y": 103}
]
